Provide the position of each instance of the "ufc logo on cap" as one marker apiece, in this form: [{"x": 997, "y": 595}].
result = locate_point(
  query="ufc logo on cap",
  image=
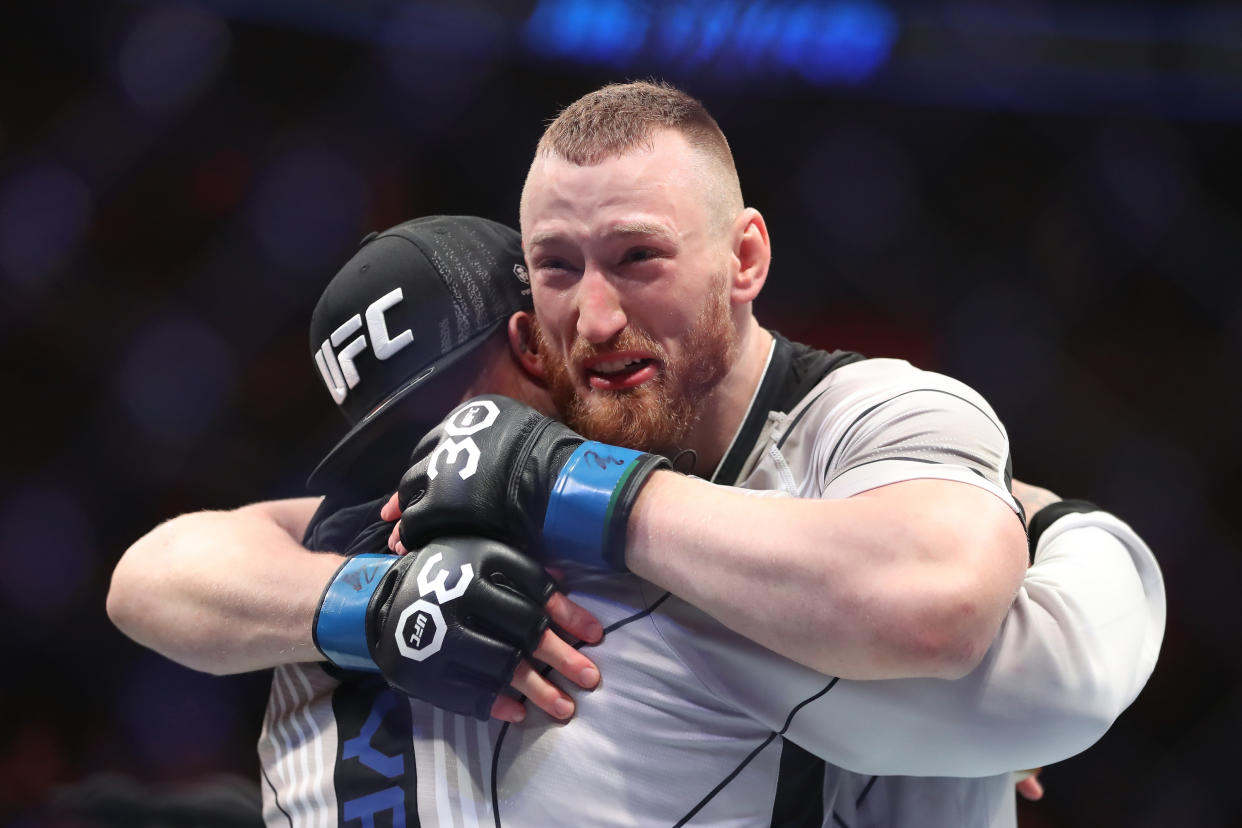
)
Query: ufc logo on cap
[{"x": 337, "y": 366}]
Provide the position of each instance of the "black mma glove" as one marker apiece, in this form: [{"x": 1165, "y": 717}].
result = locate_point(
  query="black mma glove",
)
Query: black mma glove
[
  {"x": 448, "y": 623},
  {"x": 497, "y": 467}
]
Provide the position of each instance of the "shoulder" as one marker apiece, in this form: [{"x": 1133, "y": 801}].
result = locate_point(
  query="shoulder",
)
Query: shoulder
[
  {"x": 888, "y": 387},
  {"x": 862, "y": 386},
  {"x": 882, "y": 375}
]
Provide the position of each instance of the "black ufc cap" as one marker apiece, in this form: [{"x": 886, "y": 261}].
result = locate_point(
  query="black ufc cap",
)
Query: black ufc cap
[{"x": 412, "y": 301}]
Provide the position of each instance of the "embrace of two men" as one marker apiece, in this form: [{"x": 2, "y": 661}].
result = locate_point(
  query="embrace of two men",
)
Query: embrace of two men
[{"x": 792, "y": 586}]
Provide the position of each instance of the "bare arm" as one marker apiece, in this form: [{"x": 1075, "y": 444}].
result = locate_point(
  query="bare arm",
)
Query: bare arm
[
  {"x": 224, "y": 592},
  {"x": 231, "y": 592},
  {"x": 910, "y": 579}
]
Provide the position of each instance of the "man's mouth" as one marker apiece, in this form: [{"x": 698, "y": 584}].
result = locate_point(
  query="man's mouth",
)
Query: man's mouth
[{"x": 617, "y": 372}]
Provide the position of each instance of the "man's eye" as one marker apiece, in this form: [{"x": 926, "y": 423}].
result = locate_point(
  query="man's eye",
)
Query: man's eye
[{"x": 640, "y": 254}]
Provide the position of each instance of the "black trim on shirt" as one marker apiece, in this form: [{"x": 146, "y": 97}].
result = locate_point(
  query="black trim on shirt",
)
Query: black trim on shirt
[
  {"x": 275, "y": 795},
  {"x": 1050, "y": 514},
  {"x": 793, "y": 371},
  {"x": 857, "y": 802},
  {"x": 750, "y": 756},
  {"x": 799, "y": 798}
]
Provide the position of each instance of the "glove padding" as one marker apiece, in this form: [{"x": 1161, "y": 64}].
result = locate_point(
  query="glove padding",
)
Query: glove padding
[
  {"x": 448, "y": 623},
  {"x": 498, "y": 467}
]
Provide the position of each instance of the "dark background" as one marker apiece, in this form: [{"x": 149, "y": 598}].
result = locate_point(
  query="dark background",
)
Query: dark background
[{"x": 1038, "y": 198}]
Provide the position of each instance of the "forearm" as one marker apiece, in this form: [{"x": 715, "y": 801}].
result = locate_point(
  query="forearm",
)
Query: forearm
[
  {"x": 900, "y": 585},
  {"x": 224, "y": 592},
  {"x": 1077, "y": 646}
]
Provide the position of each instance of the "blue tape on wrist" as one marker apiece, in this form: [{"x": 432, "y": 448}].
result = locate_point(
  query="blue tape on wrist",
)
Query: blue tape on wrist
[
  {"x": 579, "y": 508},
  {"x": 341, "y": 624}
]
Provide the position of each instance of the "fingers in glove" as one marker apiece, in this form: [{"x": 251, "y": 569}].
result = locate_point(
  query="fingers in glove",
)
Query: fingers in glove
[
  {"x": 510, "y": 568},
  {"x": 567, "y": 660},
  {"x": 503, "y": 614},
  {"x": 391, "y": 510},
  {"x": 484, "y": 657},
  {"x": 394, "y": 540},
  {"x": 541, "y": 692},
  {"x": 573, "y": 619}
]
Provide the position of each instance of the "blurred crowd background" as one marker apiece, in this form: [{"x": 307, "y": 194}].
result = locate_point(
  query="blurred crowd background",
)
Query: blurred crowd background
[{"x": 1040, "y": 198}]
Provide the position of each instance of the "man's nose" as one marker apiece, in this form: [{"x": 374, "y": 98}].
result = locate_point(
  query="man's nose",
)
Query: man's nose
[{"x": 600, "y": 316}]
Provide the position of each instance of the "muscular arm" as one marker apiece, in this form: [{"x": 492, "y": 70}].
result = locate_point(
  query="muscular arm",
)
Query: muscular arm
[
  {"x": 910, "y": 579},
  {"x": 895, "y": 553},
  {"x": 898, "y": 551},
  {"x": 1076, "y": 647},
  {"x": 224, "y": 592},
  {"x": 231, "y": 592}
]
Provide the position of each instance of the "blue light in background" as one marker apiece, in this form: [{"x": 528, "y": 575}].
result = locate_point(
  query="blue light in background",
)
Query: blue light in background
[
  {"x": 824, "y": 42},
  {"x": 716, "y": 21},
  {"x": 845, "y": 41},
  {"x": 610, "y": 31}
]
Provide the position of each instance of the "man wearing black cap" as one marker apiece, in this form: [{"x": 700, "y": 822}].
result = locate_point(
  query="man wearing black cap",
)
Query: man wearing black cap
[{"x": 414, "y": 322}]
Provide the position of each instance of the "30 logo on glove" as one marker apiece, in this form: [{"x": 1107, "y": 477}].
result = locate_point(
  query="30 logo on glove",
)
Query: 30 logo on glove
[
  {"x": 455, "y": 644},
  {"x": 424, "y": 617},
  {"x": 523, "y": 478}
]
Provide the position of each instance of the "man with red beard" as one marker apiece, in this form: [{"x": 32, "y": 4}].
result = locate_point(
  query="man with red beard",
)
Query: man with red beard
[{"x": 891, "y": 546}]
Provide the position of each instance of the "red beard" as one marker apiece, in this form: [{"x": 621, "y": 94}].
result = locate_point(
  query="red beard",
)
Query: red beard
[{"x": 657, "y": 415}]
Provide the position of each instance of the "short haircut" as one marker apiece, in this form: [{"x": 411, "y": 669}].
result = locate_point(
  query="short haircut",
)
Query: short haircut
[{"x": 622, "y": 117}]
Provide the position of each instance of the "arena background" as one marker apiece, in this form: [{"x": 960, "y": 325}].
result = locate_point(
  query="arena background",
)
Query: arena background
[{"x": 1038, "y": 198}]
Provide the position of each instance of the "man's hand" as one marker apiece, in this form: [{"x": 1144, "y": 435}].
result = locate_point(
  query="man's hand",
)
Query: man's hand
[
  {"x": 450, "y": 624},
  {"x": 499, "y": 468}
]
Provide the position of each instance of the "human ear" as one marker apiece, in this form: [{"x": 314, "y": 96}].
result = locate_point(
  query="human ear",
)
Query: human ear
[
  {"x": 524, "y": 344},
  {"x": 753, "y": 250}
]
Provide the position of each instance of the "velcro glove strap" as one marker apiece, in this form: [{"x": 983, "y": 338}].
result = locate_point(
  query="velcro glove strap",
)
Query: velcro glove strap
[
  {"x": 340, "y": 626},
  {"x": 591, "y": 500}
]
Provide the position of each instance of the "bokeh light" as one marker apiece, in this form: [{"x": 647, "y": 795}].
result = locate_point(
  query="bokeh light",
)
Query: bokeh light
[
  {"x": 177, "y": 720},
  {"x": 308, "y": 207},
  {"x": 176, "y": 377},
  {"x": 171, "y": 55},
  {"x": 45, "y": 211},
  {"x": 47, "y": 551}
]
